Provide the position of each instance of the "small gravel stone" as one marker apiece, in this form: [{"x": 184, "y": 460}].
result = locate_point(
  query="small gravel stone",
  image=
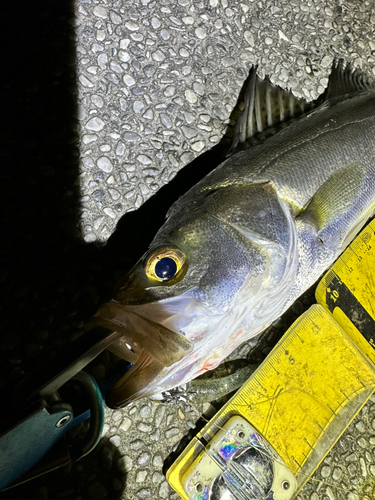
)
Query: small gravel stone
[
  {"x": 108, "y": 211},
  {"x": 155, "y": 22},
  {"x": 188, "y": 132},
  {"x": 114, "y": 194},
  {"x": 105, "y": 164},
  {"x": 116, "y": 416},
  {"x": 159, "y": 415},
  {"x": 188, "y": 20},
  {"x": 115, "y": 440},
  {"x": 124, "y": 56},
  {"x": 165, "y": 120},
  {"x": 352, "y": 469},
  {"x": 132, "y": 26},
  {"x": 325, "y": 471},
  {"x": 116, "y": 67},
  {"x": 155, "y": 436},
  {"x": 95, "y": 124},
  {"x": 197, "y": 146},
  {"x": 164, "y": 489},
  {"x": 131, "y": 137},
  {"x": 190, "y": 96},
  {"x": 102, "y": 61},
  {"x": 126, "y": 423},
  {"x": 199, "y": 88},
  {"x": 351, "y": 458},
  {"x": 249, "y": 37},
  {"x": 228, "y": 61},
  {"x": 145, "y": 411},
  {"x": 144, "y": 493},
  {"x": 200, "y": 33},
  {"x": 360, "y": 426},
  {"x": 173, "y": 431},
  {"x": 149, "y": 114},
  {"x": 88, "y": 138},
  {"x": 337, "y": 473},
  {"x": 141, "y": 476},
  {"x": 120, "y": 149},
  {"x": 144, "y": 458},
  {"x": 145, "y": 160},
  {"x": 186, "y": 158},
  {"x": 362, "y": 443},
  {"x": 137, "y": 444},
  {"x": 144, "y": 427},
  {"x": 165, "y": 34},
  {"x": 128, "y": 80},
  {"x": 157, "y": 477},
  {"x": 169, "y": 91},
  {"x": 85, "y": 81},
  {"x": 157, "y": 461},
  {"x": 158, "y": 56},
  {"x": 138, "y": 107},
  {"x": 362, "y": 464},
  {"x": 326, "y": 61},
  {"x": 100, "y": 11}
]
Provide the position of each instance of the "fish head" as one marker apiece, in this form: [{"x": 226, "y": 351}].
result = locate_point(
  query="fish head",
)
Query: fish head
[{"x": 183, "y": 307}]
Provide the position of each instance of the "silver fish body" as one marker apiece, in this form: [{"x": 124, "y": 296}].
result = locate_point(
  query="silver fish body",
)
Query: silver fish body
[{"x": 247, "y": 241}]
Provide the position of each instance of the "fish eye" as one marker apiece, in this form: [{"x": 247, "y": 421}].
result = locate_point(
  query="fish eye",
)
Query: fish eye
[{"x": 165, "y": 264}]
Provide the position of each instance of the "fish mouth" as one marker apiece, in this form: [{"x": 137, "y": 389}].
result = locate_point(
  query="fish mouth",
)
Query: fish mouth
[{"x": 150, "y": 346}]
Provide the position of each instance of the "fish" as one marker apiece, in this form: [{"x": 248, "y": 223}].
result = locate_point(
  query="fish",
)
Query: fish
[{"x": 247, "y": 240}]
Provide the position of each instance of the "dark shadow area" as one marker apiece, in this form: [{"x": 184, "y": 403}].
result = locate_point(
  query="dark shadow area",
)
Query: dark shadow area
[
  {"x": 42, "y": 257},
  {"x": 51, "y": 280},
  {"x": 102, "y": 474},
  {"x": 49, "y": 276}
]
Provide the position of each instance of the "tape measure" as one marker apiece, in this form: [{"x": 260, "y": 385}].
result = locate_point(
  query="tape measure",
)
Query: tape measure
[
  {"x": 347, "y": 291},
  {"x": 266, "y": 442}
]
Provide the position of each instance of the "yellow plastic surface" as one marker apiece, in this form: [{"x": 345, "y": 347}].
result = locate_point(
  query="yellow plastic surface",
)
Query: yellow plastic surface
[{"x": 355, "y": 269}]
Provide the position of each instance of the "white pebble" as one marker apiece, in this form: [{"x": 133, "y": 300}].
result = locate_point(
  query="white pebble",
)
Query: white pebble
[
  {"x": 105, "y": 164},
  {"x": 190, "y": 96}
]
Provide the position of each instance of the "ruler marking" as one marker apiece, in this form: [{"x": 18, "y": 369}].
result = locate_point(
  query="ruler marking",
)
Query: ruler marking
[{"x": 339, "y": 295}]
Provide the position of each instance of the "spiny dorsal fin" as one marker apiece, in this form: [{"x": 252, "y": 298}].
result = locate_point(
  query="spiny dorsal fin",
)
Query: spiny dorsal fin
[
  {"x": 344, "y": 80},
  {"x": 265, "y": 107}
]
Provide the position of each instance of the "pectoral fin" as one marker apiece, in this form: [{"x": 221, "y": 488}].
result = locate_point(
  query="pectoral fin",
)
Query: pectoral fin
[{"x": 342, "y": 205}]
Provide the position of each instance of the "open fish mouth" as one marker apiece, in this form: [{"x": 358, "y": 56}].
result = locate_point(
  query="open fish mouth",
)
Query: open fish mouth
[{"x": 150, "y": 346}]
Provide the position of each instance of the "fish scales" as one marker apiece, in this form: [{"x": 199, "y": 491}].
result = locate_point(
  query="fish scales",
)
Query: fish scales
[
  {"x": 340, "y": 134},
  {"x": 239, "y": 247}
]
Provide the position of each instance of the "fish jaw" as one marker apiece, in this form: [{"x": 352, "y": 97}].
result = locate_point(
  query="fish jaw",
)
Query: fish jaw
[{"x": 164, "y": 336}]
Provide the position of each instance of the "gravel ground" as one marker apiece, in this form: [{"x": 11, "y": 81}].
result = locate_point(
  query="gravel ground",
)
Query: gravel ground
[{"x": 105, "y": 102}]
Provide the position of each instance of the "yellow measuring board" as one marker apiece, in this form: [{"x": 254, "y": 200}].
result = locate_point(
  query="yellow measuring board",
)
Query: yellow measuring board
[
  {"x": 314, "y": 381},
  {"x": 347, "y": 291}
]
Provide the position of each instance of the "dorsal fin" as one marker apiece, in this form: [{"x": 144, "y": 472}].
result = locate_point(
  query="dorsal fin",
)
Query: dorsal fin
[
  {"x": 344, "y": 80},
  {"x": 265, "y": 107}
]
